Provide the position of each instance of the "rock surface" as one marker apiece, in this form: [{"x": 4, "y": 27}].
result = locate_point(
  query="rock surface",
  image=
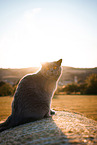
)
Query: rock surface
[{"x": 63, "y": 128}]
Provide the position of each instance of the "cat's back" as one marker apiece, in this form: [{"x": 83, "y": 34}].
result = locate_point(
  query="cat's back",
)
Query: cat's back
[
  {"x": 30, "y": 83},
  {"x": 30, "y": 79},
  {"x": 27, "y": 89}
]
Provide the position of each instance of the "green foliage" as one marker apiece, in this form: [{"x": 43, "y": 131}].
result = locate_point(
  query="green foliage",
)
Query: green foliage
[
  {"x": 14, "y": 88},
  {"x": 6, "y": 89},
  {"x": 72, "y": 88},
  {"x": 82, "y": 88},
  {"x": 89, "y": 87},
  {"x": 2, "y": 83},
  {"x": 91, "y": 82}
]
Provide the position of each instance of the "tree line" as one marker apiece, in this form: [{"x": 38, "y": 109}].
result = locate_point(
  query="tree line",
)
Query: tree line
[
  {"x": 89, "y": 87},
  {"x": 6, "y": 89}
]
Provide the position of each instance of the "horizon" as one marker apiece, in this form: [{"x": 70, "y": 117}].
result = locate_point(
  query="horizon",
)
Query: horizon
[
  {"x": 40, "y": 67},
  {"x": 35, "y": 31}
]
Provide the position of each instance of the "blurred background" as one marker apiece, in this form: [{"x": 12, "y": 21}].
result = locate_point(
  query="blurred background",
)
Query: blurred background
[{"x": 36, "y": 31}]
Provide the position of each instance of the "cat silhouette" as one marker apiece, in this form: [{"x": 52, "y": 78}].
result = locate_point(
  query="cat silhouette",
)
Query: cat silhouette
[{"x": 32, "y": 98}]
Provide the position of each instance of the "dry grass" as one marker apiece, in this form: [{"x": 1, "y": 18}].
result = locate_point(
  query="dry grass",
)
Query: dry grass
[
  {"x": 83, "y": 104},
  {"x": 87, "y": 105},
  {"x": 5, "y": 107}
]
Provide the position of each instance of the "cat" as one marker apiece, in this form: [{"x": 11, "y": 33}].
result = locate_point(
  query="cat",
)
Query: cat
[{"x": 32, "y": 98}]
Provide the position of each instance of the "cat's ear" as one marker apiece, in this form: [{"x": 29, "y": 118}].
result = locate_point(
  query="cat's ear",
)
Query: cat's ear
[{"x": 59, "y": 61}]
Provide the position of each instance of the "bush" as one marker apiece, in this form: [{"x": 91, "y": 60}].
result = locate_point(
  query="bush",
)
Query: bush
[
  {"x": 82, "y": 88},
  {"x": 6, "y": 89},
  {"x": 14, "y": 88},
  {"x": 88, "y": 88},
  {"x": 2, "y": 83},
  {"x": 91, "y": 82},
  {"x": 72, "y": 88}
]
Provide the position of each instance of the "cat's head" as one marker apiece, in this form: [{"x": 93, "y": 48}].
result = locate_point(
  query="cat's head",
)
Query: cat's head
[{"x": 52, "y": 70}]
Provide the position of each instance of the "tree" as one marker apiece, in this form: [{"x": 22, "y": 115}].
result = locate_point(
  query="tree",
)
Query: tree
[
  {"x": 72, "y": 88},
  {"x": 91, "y": 82},
  {"x": 82, "y": 88},
  {"x": 6, "y": 89},
  {"x": 2, "y": 83}
]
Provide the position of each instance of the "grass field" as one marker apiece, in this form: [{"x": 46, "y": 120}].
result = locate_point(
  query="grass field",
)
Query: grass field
[
  {"x": 5, "y": 107},
  {"x": 83, "y": 104}
]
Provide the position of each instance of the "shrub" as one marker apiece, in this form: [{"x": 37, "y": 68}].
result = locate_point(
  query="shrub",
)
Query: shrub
[
  {"x": 2, "y": 83},
  {"x": 82, "y": 88},
  {"x": 72, "y": 88},
  {"x": 6, "y": 89},
  {"x": 91, "y": 82}
]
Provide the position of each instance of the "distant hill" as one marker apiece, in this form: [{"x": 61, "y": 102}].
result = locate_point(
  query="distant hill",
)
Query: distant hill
[
  {"x": 14, "y": 75},
  {"x": 69, "y": 74}
]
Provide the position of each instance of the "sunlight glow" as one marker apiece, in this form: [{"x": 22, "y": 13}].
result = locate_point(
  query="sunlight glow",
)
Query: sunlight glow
[{"x": 34, "y": 39}]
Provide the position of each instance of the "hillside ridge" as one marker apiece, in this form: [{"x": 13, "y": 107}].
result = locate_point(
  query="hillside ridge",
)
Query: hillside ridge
[{"x": 68, "y": 74}]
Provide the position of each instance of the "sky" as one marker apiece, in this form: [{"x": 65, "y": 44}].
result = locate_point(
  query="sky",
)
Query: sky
[{"x": 36, "y": 31}]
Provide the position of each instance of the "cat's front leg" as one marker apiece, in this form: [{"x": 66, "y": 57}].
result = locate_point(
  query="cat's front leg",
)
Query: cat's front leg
[{"x": 48, "y": 114}]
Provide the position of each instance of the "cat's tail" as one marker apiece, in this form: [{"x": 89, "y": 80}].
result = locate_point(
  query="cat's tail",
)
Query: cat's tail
[{"x": 7, "y": 124}]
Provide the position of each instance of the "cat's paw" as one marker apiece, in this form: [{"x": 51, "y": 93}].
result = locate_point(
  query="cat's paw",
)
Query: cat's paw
[
  {"x": 49, "y": 114},
  {"x": 52, "y": 112}
]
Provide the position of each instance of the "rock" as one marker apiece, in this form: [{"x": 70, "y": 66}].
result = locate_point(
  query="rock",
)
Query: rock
[{"x": 63, "y": 128}]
